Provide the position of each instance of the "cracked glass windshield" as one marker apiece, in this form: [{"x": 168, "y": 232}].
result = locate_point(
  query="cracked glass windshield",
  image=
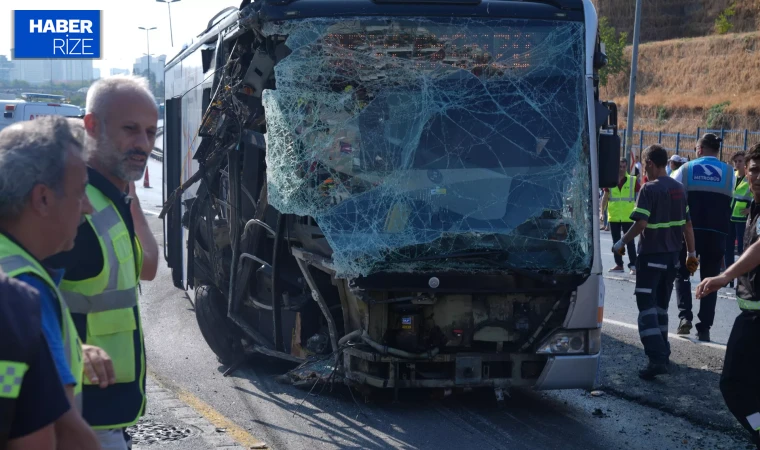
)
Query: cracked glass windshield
[{"x": 408, "y": 139}]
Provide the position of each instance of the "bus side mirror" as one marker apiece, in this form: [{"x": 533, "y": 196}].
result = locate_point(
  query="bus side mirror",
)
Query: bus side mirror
[{"x": 608, "y": 148}]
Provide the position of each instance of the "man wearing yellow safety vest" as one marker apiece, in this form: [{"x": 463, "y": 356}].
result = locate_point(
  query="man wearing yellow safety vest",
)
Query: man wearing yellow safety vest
[
  {"x": 620, "y": 202},
  {"x": 739, "y": 210},
  {"x": 741, "y": 367},
  {"x": 42, "y": 202},
  {"x": 114, "y": 250}
]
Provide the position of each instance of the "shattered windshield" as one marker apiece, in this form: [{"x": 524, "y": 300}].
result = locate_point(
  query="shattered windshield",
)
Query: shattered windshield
[{"x": 408, "y": 140}]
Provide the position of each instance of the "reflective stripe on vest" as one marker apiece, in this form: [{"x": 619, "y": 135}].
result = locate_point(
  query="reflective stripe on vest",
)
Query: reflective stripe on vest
[
  {"x": 741, "y": 201},
  {"x": 108, "y": 302},
  {"x": 15, "y": 261},
  {"x": 748, "y": 305},
  {"x": 622, "y": 201},
  {"x": 91, "y": 301},
  {"x": 11, "y": 377}
]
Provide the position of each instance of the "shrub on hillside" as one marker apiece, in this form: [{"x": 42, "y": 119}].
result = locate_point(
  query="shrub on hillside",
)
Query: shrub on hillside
[
  {"x": 662, "y": 114},
  {"x": 715, "y": 115},
  {"x": 614, "y": 43},
  {"x": 723, "y": 24}
]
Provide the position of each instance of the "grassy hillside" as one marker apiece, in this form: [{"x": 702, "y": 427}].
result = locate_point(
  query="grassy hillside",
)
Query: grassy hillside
[
  {"x": 672, "y": 19},
  {"x": 712, "y": 81}
]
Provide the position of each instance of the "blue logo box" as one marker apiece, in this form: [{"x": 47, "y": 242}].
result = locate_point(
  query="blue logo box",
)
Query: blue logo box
[{"x": 65, "y": 34}]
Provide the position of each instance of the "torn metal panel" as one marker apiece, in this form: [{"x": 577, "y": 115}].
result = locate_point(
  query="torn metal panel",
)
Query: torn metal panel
[{"x": 409, "y": 139}]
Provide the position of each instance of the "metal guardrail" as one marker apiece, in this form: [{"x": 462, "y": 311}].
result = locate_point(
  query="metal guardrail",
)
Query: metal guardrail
[
  {"x": 158, "y": 153},
  {"x": 684, "y": 144}
]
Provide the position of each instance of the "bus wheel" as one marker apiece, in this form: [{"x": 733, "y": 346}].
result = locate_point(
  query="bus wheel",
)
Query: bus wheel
[{"x": 220, "y": 333}]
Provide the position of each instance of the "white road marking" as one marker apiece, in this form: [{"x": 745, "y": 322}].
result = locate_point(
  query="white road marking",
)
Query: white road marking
[
  {"x": 671, "y": 335},
  {"x": 153, "y": 213}
]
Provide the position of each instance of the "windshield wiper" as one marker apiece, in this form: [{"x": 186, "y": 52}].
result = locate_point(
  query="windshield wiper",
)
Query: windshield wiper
[{"x": 479, "y": 255}]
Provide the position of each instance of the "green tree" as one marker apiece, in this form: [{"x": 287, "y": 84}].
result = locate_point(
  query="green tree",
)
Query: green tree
[
  {"x": 722, "y": 24},
  {"x": 614, "y": 43},
  {"x": 20, "y": 84},
  {"x": 160, "y": 89}
]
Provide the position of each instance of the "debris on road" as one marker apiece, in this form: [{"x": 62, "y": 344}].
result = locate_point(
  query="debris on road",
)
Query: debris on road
[{"x": 311, "y": 372}]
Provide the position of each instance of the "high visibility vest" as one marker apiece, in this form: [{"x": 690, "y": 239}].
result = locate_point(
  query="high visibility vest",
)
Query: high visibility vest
[
  {"x": 748, "y": 305},
  {"x": 622, "y": 201},
  {"x": 15, "y": 261},
  {"x": 107, "y": 304},
  {"x": 740, "y": 201}
]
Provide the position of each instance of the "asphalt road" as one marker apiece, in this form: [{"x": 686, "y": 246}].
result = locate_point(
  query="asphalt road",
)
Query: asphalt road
[
  {"x": 683, "y": 410},
  {"x": 620, "y": 303}
]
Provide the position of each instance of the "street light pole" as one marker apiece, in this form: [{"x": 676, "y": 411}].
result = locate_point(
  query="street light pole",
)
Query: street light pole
[
  {"x": 149, "y": 73},
  {"x": 632, "y": 92},
  {"x": 169, "y": 5},
  {"x": 147, "y": 38}
]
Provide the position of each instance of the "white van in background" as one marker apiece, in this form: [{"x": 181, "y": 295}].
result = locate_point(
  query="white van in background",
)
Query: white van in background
[{"x": 31, "y": 106}]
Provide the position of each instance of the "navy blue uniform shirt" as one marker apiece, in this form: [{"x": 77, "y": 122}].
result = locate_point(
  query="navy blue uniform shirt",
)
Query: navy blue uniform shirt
[{"x": 42, "y": 399}]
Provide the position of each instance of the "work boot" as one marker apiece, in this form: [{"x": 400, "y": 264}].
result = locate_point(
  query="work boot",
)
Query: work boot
[
  {"x": 684, "y": 327},
  {"x": 703, "y": 335},
  {"x": 652, "y": 370},
  {"x": 617, "y": 269}
]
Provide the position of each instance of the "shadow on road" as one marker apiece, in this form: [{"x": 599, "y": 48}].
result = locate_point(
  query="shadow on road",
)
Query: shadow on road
[{"x": 527, "y": 420}]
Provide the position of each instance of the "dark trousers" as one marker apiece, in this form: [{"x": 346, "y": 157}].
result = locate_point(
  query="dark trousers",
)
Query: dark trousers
[
  {"x": 711, "y": 249},
  {"x": 683, "y": 287},
  {"x": 654, "y": 284},
  {"x": 618, "y": 229},
  {"x": 735, "y": 233},
  {"x": 741, "y": 371}
]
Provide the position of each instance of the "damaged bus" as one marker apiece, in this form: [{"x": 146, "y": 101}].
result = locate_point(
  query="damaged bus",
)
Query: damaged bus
[{"x": 406, "y": 189}]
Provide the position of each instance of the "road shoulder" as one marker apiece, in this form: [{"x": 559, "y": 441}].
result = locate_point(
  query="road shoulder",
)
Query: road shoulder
[
  {"x": 181, "y": 421},
  {"x": 691, "y": 389}
]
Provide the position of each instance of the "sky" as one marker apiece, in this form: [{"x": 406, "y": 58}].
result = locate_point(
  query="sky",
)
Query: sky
[{"x": 122, "y": 41}]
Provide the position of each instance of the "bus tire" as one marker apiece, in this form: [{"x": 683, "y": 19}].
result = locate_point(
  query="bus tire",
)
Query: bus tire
[{"x": 219, "y": 332}]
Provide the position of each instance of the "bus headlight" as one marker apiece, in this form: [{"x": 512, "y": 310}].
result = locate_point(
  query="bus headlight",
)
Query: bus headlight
[{"x": 570, "y": 342}]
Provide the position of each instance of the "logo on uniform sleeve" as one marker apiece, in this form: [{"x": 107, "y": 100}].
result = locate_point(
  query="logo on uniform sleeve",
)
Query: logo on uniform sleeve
[{"x": 707, "y": 173}]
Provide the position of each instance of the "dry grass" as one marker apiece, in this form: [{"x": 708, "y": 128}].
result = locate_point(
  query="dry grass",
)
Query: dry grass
[
  {"x": 670, "y": 19},
  {"x": 687, "y": 77}
]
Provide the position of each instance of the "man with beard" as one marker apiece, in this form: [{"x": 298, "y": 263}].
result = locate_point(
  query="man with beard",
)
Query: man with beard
[{"x": 113, "y": 251}]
